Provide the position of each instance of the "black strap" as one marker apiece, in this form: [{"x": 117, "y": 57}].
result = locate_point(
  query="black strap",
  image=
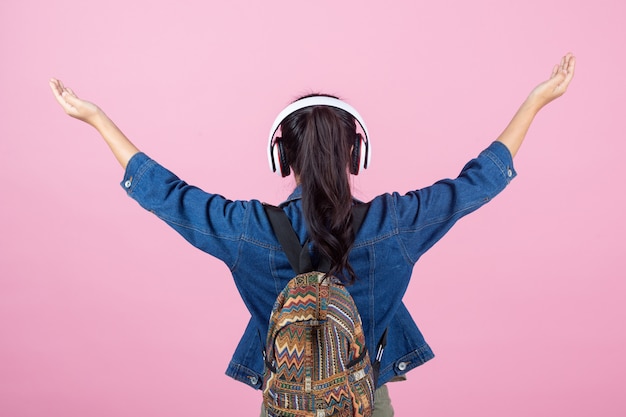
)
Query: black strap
[
  {"x": 382, "y": 343},
  {"x": 298, "y": 255},
  {"x": 358, "y": 215},
  {"x": 287, "y": 238}
]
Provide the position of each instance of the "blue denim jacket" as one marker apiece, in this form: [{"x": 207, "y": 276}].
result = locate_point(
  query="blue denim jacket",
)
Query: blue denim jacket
[{"x": 397, "y": 230}]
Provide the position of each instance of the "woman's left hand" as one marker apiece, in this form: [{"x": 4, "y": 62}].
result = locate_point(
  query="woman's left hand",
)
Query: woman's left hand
[
  {"x": 122, "y": 148},
  {"x": 72, "y": 105}
]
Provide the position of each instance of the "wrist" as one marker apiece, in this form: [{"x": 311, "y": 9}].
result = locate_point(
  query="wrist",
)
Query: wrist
[
  {"x": 533, "y": 104},
  {"x": 98, "y": 120}
]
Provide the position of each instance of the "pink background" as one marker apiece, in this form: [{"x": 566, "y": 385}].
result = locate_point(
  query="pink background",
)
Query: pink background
[{"x": 104, "y": 311}]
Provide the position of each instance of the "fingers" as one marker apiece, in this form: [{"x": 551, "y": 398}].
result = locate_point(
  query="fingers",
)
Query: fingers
[
  {"x": 57, "y": 90},
  {"x": 72, "y": 93},
  {"x": 555, "y": 70},
  {"x": 60, "y": 90},
  {"x": 563, "y": 72},
  {"x": 570, "y": 67},
  {"x": 61, "y": 87},
  {"x": 565, "y": 66},
  {"x": 567, "y": 63},
  {"x": 64, "y": 96}
]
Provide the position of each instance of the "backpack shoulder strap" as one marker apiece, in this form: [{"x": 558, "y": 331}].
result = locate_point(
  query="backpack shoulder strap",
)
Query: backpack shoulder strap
[
  {"x": 358, "y": 215},
  {"x": 298, "y": 256}
]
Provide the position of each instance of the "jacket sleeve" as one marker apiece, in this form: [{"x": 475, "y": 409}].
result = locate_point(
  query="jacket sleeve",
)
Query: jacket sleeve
[
  {"x": 424, "y": 216},
  {"x": 210, "y": 222}
]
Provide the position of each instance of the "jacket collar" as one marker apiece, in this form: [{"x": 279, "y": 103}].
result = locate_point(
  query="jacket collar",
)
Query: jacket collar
[{"x": 297, "y": 195}]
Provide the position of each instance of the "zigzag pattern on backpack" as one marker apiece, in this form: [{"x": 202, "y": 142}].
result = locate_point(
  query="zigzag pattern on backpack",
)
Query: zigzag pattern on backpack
[{"x": 316, "y": 352}]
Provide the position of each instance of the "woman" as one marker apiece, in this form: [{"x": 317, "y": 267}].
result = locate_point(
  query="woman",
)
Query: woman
[{"x": 318, "y": 142}]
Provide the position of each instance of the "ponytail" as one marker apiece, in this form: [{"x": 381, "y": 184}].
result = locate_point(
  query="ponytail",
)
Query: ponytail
[{"x": 317, "y": 142}]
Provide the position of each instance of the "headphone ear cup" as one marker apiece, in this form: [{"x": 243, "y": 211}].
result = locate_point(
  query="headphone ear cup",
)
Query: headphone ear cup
[
  {"x": 356, "y": 163},
  {"x": 281, "y": 157}
]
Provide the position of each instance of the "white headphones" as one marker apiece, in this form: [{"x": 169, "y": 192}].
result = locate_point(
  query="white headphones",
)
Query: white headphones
[{"x": 274, "y": 152}]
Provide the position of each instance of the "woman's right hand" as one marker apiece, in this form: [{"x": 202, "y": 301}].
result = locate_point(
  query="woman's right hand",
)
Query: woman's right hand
[
  {"x": 555, "y": 86},
  {"x": 74, "y": 106},
  {"x": 551, "y": 89}
]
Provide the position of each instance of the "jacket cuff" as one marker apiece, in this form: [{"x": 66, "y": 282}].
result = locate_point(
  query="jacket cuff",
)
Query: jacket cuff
[
  {"x": 135, "y": 166},
  {"x": 500, "y": 155}
]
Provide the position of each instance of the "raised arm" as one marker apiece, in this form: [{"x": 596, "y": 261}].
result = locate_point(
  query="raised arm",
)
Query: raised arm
[
  {"x": 122, "y": 148},
  {"x": 544, "y": 93}
]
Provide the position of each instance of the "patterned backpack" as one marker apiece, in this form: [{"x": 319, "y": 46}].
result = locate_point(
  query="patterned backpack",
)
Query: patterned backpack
[{"x": 316, "y": 360}]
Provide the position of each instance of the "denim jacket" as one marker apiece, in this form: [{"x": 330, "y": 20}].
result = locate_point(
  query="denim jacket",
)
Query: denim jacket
[{"x": 396, "y": 231}]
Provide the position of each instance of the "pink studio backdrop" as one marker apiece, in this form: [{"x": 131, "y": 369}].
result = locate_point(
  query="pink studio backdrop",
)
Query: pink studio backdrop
[{"x": 104, "y": 311}]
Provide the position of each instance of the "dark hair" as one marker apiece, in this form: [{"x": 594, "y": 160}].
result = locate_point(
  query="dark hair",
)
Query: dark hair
[{"x": 317, "y": 142}]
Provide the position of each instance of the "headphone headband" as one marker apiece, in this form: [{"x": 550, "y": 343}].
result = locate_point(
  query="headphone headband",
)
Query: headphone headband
[{"x": 311, "y": 102}]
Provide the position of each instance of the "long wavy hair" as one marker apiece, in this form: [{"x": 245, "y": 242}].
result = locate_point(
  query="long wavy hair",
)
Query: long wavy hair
[{"x": 317, "y": 142}]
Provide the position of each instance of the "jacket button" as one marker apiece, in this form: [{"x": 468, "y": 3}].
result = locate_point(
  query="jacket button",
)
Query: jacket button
[
  {"x": 254, "y": 380},
  {"x": 127, "y": 184},
  {"x": 510, "y": 172},
  {"x": 402, "y": 366}
]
